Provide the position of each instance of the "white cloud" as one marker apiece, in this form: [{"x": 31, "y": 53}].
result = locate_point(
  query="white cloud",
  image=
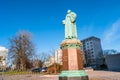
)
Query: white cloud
[
  {"x": 113, "y": 32},
  {"x": 3, "y": 51}
]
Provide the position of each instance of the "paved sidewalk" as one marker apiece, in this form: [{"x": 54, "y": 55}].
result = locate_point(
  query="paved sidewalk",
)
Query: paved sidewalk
[
  {"x": 93, "y": 75},
  {"x": 29, "y": 77},
  {"x": 103, "y": 75}
]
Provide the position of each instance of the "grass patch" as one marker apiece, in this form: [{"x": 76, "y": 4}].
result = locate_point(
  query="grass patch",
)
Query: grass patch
[{"x": 18, "y": 73}]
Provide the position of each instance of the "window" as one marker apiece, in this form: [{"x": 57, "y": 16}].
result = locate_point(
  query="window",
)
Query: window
[
  {"x": 92, "y": 55},
  {"x": 84, "y": 48},
  {"x": 90, "y": 42},
  {"x": 87, "y": 46},
  {"x": 87, "y": 43},
  {"x": 92, "y": 52},
  {"x": 91, "y": 45},
  {"x": 84, "y": 45}
]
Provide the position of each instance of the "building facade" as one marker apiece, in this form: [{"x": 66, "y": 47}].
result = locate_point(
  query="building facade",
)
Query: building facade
[
  {"x": 92, "y": 49},
  {"x": 3, "y": 56},
  {"x": 50, "y": 61},
  {"x": 113, "y": 62},
  {"x": 58, "y": 56}
]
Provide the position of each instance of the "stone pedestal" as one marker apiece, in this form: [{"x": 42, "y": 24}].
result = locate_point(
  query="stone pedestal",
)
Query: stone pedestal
[
  {"x": 73, "y": 75},
  {"x": 72, "y": 61}
]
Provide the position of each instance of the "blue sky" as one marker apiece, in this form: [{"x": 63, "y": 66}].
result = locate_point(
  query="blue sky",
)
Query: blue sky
[{"x": 43, "y": 18}]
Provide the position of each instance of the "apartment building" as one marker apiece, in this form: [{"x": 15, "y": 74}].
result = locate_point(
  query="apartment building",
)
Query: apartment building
[{"x": 92, "y": 49}]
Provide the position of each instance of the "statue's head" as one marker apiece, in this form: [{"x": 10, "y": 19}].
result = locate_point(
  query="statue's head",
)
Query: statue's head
[{"x": 68, "y": 11}]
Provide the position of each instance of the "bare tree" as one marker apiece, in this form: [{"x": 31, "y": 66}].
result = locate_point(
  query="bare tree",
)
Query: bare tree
[
  {"x": 44, "y": 56},
  {"x": 21, "y": 50},
  {"x": 37, "y": 62}
]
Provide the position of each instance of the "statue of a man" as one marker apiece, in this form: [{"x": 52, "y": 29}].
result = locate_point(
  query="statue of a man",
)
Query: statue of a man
[{"x": 70, "y": 25}]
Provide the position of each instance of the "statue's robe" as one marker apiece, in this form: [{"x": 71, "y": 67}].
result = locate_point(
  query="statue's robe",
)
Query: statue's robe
[{"x": 70, "y": 26}]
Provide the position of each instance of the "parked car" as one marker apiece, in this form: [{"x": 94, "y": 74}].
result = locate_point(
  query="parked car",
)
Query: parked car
[
  {"x": 1, "y": 70},
  {"x": 44, "y": 69},
  {"x": 37, "y": 70}
]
